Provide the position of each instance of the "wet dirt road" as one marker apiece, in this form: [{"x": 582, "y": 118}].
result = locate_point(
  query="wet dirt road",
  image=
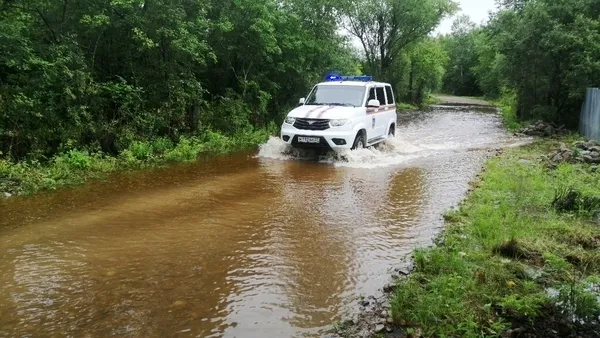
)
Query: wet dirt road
[{"x": 257, "y": 244}]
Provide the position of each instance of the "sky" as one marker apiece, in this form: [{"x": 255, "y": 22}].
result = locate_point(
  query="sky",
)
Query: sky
[{"x": 476, "y": 9}]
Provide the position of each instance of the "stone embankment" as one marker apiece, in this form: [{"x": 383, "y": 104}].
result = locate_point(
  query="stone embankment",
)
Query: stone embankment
[
  {"x": 579, "y": 152},
  {"x": 543, "y": 129}
]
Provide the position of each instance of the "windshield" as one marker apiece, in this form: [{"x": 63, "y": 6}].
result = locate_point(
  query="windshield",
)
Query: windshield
[{"x": 351, "y": 96}]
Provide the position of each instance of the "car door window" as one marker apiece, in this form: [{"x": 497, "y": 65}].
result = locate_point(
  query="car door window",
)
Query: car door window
[
  {"x": 371, "y": 96},
  {"x": 381, "y": 96},
  {"x": 390, "y": 95}
]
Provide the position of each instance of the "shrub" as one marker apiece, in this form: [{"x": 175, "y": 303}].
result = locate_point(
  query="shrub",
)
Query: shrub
[
  {"x": 141, "y": 150},
  {"x": 186, "y": 150},
  {"x": 161, "y": 145},
  {"x": 216, "y": 142},
  {"x": 76, "y": 159}
]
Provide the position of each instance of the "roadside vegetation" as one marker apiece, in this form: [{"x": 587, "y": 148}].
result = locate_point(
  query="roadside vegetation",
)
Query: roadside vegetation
[
  {"x": 520, "y": 257},
  {"x": 535, "y": 58},
  {"x": 109, "y": 76},
  {"x": 507, "y": 105},
  {"x": 75, "y": 166},
  {"x": 102, "y": 86},
  {"x": 406, "y": 107}
]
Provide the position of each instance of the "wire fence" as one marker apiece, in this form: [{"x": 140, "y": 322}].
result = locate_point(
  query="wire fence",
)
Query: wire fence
[{"x": 589, "y": 122}]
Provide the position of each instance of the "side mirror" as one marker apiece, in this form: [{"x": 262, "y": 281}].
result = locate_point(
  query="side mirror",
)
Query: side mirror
[
  {"x": 373, "y": 103},
  {"x": 301, "y": 101}
]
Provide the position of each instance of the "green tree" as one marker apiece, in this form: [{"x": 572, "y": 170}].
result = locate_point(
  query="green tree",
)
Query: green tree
[
  {"x": 489, "y": 65},
  {"x": 105, "y": 74},
  {"x": 426, "y": 68},
  {"x": 460, "y": 77},
  {"x": 386, "y": 27},
  {"x": 552, "y": 50},
  {"x": 544, "y": 53}
]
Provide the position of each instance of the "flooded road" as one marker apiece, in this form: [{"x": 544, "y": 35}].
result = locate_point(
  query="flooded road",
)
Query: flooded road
[{"x": 257, "y": 244}]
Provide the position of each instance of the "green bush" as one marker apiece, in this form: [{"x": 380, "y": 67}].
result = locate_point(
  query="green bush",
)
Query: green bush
[
  {"x": 161, "y": 145},
  {"x": 216, "y": 142},
  {"x": 186, "y": 150},
  {"x": 141, "y": 150},
  {"x": 76, "y": 159},
  {"x": 508, "y": 104},
  {"x": 127, "y": 158}
]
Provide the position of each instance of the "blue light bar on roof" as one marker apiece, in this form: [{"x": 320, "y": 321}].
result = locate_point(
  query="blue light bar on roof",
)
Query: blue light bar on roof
[{"x": 333, "y": 77}]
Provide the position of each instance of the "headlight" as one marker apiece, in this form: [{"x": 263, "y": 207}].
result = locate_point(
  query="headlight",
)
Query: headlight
[
  {"x": 339, "y": 123},
  {"x": 290, "y": 120}
]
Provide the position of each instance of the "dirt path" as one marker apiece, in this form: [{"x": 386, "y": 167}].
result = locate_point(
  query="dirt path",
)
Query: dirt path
[{"x": 460, "y": 100}]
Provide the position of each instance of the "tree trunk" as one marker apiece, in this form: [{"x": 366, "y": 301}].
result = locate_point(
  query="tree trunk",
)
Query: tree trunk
[{"x": 411, "y": 80}]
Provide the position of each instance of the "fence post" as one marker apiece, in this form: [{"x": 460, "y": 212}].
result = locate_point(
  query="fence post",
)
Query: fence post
[{"x": 589, "y": 121}]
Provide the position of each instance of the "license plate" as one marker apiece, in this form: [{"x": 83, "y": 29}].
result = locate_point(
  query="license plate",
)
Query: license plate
[{"x": 302, "y": 139}]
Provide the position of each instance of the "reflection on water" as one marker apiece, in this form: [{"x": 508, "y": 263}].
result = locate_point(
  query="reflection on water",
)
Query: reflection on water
[{"x": 237, "y": 246}]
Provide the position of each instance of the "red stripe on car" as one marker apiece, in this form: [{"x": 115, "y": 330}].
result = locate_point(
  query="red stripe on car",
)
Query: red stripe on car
[
  {"x": 324, "y": 111},
  {"x": 312, "y": 110}
]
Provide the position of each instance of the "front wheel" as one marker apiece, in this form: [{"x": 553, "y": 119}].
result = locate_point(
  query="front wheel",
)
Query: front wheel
[{"x": 359, "y": 143}]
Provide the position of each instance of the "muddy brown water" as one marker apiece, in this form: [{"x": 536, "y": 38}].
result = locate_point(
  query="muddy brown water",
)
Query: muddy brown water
[{"x": 256, "y": 244}]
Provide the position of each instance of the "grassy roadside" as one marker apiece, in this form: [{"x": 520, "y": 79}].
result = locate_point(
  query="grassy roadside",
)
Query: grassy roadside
[
  {"x": 430, "y": 100},
  {"x": 77, "y": 166},
  {"x": 508, "y": 264},
  {"x": 506, "y": 103},
  {"x": 401, "y": 106}
]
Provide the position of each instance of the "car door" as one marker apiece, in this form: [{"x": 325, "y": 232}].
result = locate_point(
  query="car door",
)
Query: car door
[
  {"x": 391, "y": 107},
  {"x": 371, "y": 118},
  {"x": 382, "y": 116}
]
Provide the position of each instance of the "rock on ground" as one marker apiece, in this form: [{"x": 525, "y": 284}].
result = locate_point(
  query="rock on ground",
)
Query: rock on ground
[
  {"x": 542, "y": 129},
  {"x": 579, "y": 152},
  {"x": 373, "y": 320}
]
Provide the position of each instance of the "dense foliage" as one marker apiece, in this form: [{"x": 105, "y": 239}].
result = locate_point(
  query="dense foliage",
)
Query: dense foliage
[
  {"x": 461, "y": 48},
  {"x": 104, "y": 74},
  {"x": 100, "y": 75},
  {"x": 542, "y": 53}
]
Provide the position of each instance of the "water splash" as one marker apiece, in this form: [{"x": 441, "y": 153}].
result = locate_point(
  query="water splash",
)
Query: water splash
[
  {"x": 421, "y": 137},
  {"x": 391, "y": 152},
  {"x": 276, "y": 149}
]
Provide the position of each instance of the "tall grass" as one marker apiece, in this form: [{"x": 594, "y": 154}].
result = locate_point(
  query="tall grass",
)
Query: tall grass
[
  {"x": 503, "y": 249},
  {"x": 508, "y": 104}
]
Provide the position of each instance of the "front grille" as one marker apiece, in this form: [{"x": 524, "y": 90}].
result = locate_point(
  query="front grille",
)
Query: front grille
[{"x": 312, "y": 124}]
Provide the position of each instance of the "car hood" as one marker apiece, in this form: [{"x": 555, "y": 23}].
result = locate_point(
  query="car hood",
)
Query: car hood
[{"x": 325, "y": 112}]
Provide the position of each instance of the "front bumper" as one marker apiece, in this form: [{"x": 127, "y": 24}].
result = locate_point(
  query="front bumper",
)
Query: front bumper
[{"x": 332, "y": 139}]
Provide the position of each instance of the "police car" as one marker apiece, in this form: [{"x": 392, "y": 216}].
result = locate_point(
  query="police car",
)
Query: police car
[{"x": 343, "y": 112}]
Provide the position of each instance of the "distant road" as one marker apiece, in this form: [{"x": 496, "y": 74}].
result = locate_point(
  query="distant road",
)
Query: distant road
[{"x": 461, "y": 100}]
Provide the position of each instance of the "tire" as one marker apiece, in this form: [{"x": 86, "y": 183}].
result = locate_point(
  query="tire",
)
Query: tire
[
  {"x": 392, "y": 132},
  {"x": 359, "y": 142}
]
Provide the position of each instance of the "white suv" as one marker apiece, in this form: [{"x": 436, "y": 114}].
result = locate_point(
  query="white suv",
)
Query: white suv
[{"x": 344, "y": 112}]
